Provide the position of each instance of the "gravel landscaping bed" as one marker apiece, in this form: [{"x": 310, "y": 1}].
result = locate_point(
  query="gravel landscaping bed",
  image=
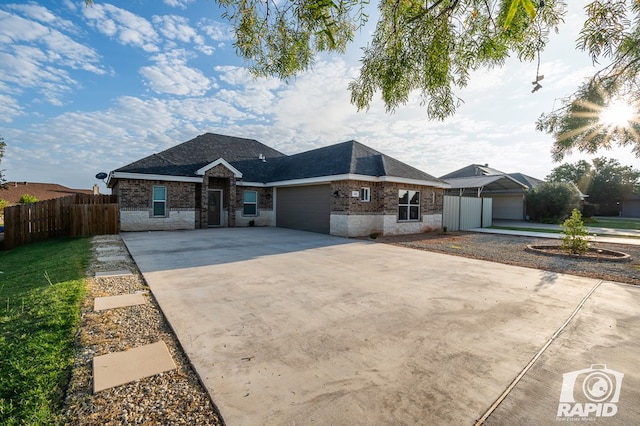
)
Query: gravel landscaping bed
[
  {"x": 511, "y": 250},
  {"x": 172, "y": 398}
]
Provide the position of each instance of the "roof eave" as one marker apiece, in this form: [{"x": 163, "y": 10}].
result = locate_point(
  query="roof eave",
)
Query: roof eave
[
  {"x": 349, "y": 176},
  {"x": 148, "y": 176}
]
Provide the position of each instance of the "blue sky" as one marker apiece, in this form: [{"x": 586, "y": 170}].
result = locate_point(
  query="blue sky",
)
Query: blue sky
[{"x": 90, "y": 89}]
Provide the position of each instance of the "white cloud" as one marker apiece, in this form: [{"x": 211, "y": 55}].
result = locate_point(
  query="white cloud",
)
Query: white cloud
[
  {"x": 178, "y": 3},
  {"x": 177, "y": 28},
  {"x": 171, "y": 75},
  {"x": 217, "y": 31},
  {"x": 35, "y": 56},
  {"x": 124, "y": 26},
  {"x": 43, "y": 15},
  {"x": 9, "y": 108}
]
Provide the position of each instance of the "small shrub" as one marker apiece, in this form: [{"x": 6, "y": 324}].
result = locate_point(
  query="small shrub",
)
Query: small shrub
[
  {"x": 27, "y": 199},
  {"x": 444, "y": 229},
  {"x": 374, "y": 235},
  {"x": 574, "y": 234},
  {"x": 252, "y": 223}
]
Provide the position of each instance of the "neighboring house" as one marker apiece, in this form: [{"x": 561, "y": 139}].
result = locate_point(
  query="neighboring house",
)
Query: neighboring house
[
  {"x": 507, "y": 190},
  {"x": 214, "y": 180},
  {"x": 631, "y": 206},
  {"x": 42, "y": 191}
]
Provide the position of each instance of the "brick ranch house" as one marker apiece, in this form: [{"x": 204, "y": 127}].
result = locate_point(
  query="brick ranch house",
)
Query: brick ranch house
[{"x": 347, "y": 189}]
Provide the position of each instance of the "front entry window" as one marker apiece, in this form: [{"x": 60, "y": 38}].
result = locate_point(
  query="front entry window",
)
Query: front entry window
[
  {"x": 408, "y": 205},
  {"x": 159, "y": 201}
]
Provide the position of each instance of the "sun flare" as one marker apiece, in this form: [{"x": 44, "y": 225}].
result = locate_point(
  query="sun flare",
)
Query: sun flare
[{"x": 618, "y": 113}]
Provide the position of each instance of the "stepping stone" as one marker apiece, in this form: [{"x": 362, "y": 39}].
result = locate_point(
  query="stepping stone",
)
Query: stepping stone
[
  {"x": 111, "y": 274},
  {"x": 112, "y": 247},
  {"x": 112, "y": 258},
  {"x": 118, "y": 368},
  {"x": 120, "y": 301}
]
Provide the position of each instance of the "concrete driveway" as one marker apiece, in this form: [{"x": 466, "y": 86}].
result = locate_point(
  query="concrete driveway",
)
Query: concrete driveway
[{"x": 288, "y": 327}]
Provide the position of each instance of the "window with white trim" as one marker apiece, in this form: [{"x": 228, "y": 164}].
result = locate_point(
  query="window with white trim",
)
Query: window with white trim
[
  {"x": 250, "y": 203},
  {"x": 408, "y": 205},
  {"x": 159, "y": 201},
  {"x": 365, "y": 194}
]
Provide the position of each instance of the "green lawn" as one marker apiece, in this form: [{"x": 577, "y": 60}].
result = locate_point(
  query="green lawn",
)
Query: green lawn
[
  {"x": 516, "y": 228},
  {"x": 615, "y": 223},
  {"x": 41, "y": 289}
]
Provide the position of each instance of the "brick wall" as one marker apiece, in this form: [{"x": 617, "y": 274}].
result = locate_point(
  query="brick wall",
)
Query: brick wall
[
  {"x": 383, "y": 198},
  {"x": 344, "y": 202},
  {"x": 137, "y": 194}
]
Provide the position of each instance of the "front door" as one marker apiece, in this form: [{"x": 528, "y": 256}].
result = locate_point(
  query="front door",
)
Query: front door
[{"x": 214, "y": 208}]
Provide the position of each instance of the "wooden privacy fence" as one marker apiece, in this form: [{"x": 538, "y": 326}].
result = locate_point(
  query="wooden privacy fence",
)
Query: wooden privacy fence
[{"x": 77, "y": 215}]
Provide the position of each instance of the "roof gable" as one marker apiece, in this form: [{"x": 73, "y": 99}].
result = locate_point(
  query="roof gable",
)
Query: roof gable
[
  {"x": 187, "y": 158},
  {"x": 220, "y": 161}
]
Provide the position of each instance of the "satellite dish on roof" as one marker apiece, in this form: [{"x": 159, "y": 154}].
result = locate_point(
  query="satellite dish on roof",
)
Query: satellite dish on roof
[{"x": 101, "y": 175}]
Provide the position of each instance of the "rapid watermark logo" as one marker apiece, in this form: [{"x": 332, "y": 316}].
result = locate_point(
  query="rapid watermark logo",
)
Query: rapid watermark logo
[{"x": 592, "y": 392}]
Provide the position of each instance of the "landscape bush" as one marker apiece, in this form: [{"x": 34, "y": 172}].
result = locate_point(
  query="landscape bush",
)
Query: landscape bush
[
  {"x": 552, "y": 202},
  {"x": 574, "y": 234}
]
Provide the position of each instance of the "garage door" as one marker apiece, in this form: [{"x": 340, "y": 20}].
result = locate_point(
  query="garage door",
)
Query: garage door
[
  {"x": 509, "y": 207},
  {"x": 631, "y": 208},
  {"x": 304, "y": 207}
]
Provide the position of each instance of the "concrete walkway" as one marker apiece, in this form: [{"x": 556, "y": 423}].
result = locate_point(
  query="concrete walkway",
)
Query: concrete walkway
[
  {"x": 289, "y": 327},
  {"x": 603, "y": 235}
]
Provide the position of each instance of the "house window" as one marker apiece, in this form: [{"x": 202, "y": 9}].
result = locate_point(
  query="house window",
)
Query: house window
[
  {"x": 159, "y": 200},
  {"x": 250, "y": 203},
  {"x": 408, "y": 205},
  {"x": 365, "y": 194}
]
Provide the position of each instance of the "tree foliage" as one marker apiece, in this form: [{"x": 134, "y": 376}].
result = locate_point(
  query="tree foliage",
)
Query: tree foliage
[
  {"x": 430, "y": 47},
  {"x": 28, "y": 199},
  {"x": 579, "y": 174},
  {"x": 552, "y": 201},
  {"x": 426, "y": 46},
  {"x": 605, "y": 181},
  {"x": 611, "y": 32}
]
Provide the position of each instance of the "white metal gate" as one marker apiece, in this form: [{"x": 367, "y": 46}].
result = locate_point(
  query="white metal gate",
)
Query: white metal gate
[{"x": 460, "y": 213}]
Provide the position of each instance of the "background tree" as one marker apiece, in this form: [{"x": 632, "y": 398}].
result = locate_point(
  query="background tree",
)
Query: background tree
[
  {"x": 579, "y": 174},
  {"x": 28, "y": 199},
  {"x": 606, "y": 182},
  {"x": 552, "y": 202}
]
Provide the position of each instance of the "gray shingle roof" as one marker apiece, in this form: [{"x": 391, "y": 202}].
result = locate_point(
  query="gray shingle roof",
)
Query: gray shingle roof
[
  {"x": 188, "y": 157},
  {"x": 472, "y": 170},
  {"x": 531, "y": 182},
  {"x": 344, "y": 158}
]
